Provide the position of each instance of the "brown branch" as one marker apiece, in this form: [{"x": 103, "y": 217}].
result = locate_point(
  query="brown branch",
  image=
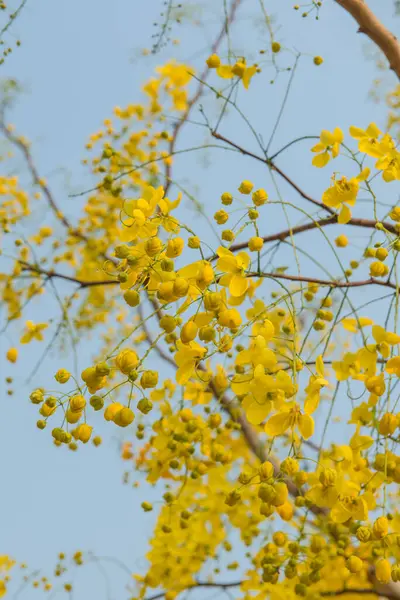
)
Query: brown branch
[
  {"x": 222, "y": 586},
  {"x": 282, "y": 235},
  {"x": 361, "y": 591},
  {"x": 53, "y": 274},
  {"x": 24, "y": 148},
  {"x": 389, "y": 593},
  {"x": 324, "y": 282},
  {"x": 371, "y": 26},
  {"x": 150, "y": 340},
  {"x": 272, "y": 166}
]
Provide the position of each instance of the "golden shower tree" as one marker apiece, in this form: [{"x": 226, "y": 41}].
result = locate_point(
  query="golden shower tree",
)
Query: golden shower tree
[{"x": 225, "y": 367}]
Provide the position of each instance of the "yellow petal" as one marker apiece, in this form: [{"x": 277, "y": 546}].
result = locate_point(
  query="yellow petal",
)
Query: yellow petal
[
  {"x": 327, "y": 138},
  {"x": 356, "y": 132},
  {"x": 203, "y": 319},
  {"x": 393, "y": 365},
  {"x": 338, "y": 135},
  {"x": 318, "y": 147},
  {"x": 26, "y": 338},
  {"x": 185, "y": 372},
  {"x": 392, "y": 338},
  {"x": 344, "y": 215},
  {"x": 225, "y": 71},
  {"x": 322, "y": 496},
  {"x": 321, "y": 160},
  {"x": 373, "y": 131},
  {"x": 256, "y": 413},
  {"x": 350, "y": 325},
  {"x": 306, "y": 426},
  {"x": 278, "y": 424},
  {"x": 247, "y": 75},
  {"x": 364, "y": 174},
  {"x": 319, "y": 365},
  {"x": 311, "y": 404},
  {"x": 378, "y": 333},
  {"x": 227, "y": 264},
  {"x": 238, "y": 285},
  {"x": 339, "y": 513}
]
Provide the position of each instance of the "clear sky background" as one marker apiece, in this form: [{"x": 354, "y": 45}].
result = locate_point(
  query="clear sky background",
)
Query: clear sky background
[{"x": 78, "y": 59}]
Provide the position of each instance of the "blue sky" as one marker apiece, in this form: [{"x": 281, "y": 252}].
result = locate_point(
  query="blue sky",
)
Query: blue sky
[{"x": 76, "y": 62}]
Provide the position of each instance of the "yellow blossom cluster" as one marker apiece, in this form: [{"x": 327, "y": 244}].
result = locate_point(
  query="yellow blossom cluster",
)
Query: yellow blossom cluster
[{"x": 221, "y": 368}]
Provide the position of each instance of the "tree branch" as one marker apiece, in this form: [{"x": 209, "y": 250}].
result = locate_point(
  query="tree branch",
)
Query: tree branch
[
  {"x": 272, "y": 166},
  {"x": 371, "y": 26},
  {"x": 325, "y": 282},
  {"x": 222, "y": 586},
  {"x": 53, "y": 274},
  {"x": 362, "y": 591},
  {"x": 390, "y": 594},
  {"x": 24, "y": 148}
]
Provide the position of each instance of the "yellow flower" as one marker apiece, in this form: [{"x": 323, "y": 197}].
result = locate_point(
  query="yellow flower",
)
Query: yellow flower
[
  {"x": 12, "y": 355},
  {"x": 341, "y": 241},
  {"x": 354, "y": 564},
  {"x": 324, "y": 493},
  {"x": 383, "y": 570},
  {"x": 349, "y": 506},
  {"x": 389, "y": 162},
  {"x": 126, "y": 361},
  {"x": 349, "y": 366},
  {"x": 167, "y": 205},
  {"x": 260, "y": 197},
  {"x": 378, "y": 269},
  {"x": 263, "y": 394},
  {"x": 367, "y": 139},
  {"x": 187, "y": 358},
  {"x": 235, "y": 266},
  {"x": 255, "y": 244},
  {"x": 178, "y": 75},
  {"x": 245, "y": 187},
  {"x": 328, "y": 147},
  {"x": 289, "y": 419},
  {"x": 380, "y": 528},
  {"x": 388, "y": 424},
  {"x": 354, "y": 325},
  {"x": 33, "y": 332},
  {"x": 344, "y": 192},
  {"x": 313, "y": 390},
  {"x": 175, "y": 247},
  {"x": 230, "y": 318},
  {"x": 136, "y": 218},
  {"x": 393, "y": 366},
  {"x": 239, "y": 69},
  {"x": 381, "y": 335},
  {"x": 213, "y": 61},
  {"x": 62, "y": 376}
]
